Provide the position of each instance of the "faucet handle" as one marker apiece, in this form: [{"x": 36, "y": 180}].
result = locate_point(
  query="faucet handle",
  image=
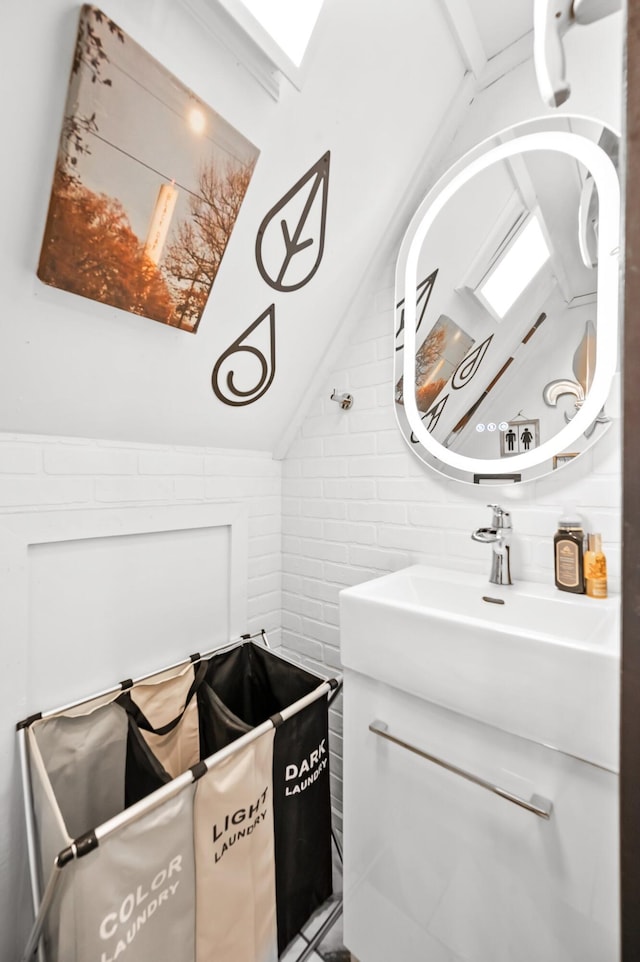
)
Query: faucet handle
[{"x": 501, "y": 518}]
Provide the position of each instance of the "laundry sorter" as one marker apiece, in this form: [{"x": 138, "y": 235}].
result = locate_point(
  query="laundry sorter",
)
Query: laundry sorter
[{"x": 183, "y": 816}]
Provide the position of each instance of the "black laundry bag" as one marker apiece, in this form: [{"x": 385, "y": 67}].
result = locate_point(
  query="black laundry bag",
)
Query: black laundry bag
[
  {"x": 235, "y": 691},
  {"x": 254, "y": 684},
  {"x": 144, "y": 772}
]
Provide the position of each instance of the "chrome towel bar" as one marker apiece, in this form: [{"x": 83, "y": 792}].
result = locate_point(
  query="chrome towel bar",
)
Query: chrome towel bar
[{"x": 536, "y": 804}]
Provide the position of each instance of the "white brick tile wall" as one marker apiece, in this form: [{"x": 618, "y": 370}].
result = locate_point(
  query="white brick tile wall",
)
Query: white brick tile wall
[
  {"x": 265, "y": 524},
  {"x": 322, "y": 425},
  {"x": 335, "y": 721},
  {"x": 133, "y": 490},
  {"x": 373, "y": 419},
  {"x": 44, "y": 473},
  {"x": 372, "y": 374},
  {"x": 415, "y": 539},
  {"x": 291, "y": 506},
  {"x": 359, "y": 354},
  {"x": 326, "y": 550},
  {"x": 356, "y": 533},
  {"x": 39, "y": 491},
  {"x": 346, "y": 575},
  {"x": 377, "y": 559},
  {"x": 160, "y": 462},
  {"x": 291, "y": 583},
  {"x": 309, "y": 567},
  {"x": 390, "y": 442},
  {"x": 303, "y": 526},
  {"x": 377, "y": 511},
  {"x": 324, "y": 467},
  {"x": 306, "y": 447},
  {"x": 319, "y": 509},
  {"x": 347, "y": 490},
  {"x": 20, "y": 459},
  {"x": 324, "y": 590},
  {"x": 189, "y": 489},
  {"x": 264, "y": 564},
  {"x": 331, "y": 614},
  {"x": 264, "y": 545},
  {"x": 348, "y": 445},
  {"x": 307, "y": 488},
  {"x": 298, "y": 642},
  {"x": 384, "y": 465}
]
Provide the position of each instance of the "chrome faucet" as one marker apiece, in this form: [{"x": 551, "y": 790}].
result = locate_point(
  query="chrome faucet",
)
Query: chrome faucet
[{"x": 499, "y": 537}]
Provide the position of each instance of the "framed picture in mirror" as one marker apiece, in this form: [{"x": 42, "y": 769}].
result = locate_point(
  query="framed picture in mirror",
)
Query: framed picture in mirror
[
  {"x": 437, "y": 358},
  {"x": 560, "y": 459},
  {"x": 519, "y": 436}
]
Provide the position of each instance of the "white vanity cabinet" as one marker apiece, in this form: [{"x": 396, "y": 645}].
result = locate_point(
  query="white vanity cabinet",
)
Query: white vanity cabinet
[{"x": 440, "y": 869}]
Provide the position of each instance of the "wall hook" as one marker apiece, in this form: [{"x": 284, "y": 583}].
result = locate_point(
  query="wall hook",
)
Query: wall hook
[{"x": 344, "y": 400}]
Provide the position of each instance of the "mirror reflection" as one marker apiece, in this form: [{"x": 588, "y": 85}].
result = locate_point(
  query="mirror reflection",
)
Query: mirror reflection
[{"x": 506, "y": 310}]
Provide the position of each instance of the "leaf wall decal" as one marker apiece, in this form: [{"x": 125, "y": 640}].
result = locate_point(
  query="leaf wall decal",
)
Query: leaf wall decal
[
  {"x": 423, "y": 293},
  {"x": 433, "y": 414},
  {"x": 290, "y": 239}
]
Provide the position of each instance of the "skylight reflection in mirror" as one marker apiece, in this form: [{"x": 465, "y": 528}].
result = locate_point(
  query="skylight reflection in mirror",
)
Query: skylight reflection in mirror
[{"x": 516, "y": 268}]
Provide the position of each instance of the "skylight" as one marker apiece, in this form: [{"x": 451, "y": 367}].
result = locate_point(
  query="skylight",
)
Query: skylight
[
  {"x": 269, "y": 37},
  {"x": 289, "y": 22},
  {"x": 516, "y": 268}
]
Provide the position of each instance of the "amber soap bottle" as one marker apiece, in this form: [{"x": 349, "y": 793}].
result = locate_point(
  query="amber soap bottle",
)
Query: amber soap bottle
[
  {"x": 568, "y": 544},
  {"x": 595, "y": 568}
]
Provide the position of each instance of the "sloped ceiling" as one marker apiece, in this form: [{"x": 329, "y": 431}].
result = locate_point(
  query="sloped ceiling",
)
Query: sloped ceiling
[{"x": 385, "y": 86}]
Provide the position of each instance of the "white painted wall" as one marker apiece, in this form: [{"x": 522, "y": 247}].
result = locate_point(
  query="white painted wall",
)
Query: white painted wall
[
  {"x": 357, "y": 503},
  {"x": 376, "y": 87}
]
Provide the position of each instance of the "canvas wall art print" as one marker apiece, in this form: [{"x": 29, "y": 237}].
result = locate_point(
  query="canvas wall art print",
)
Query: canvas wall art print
[{"x": 148, "y": 183}]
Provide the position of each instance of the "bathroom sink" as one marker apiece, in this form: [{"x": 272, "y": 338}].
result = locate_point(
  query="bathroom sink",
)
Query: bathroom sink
[{"x": 526, "y": 658}]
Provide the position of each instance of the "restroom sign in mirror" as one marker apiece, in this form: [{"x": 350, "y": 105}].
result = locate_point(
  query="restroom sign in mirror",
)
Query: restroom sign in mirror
[{"x": 519, "y": 436}]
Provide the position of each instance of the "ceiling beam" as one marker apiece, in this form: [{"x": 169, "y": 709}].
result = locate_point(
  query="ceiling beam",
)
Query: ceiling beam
[{"x": 463, "y": 28}]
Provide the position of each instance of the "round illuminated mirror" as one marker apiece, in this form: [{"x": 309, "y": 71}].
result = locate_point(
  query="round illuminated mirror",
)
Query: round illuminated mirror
[{"x": 507, "y": 304}]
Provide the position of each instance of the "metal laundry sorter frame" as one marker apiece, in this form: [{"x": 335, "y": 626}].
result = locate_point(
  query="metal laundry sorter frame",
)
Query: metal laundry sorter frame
[{"x": 110, "y": 836}]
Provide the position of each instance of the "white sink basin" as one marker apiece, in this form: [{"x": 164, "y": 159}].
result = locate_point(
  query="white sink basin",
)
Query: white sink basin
[{"x": 531, "y": 660}]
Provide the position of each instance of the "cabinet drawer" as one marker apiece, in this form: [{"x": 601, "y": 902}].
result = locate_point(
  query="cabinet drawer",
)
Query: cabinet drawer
[{"x": 439, "y": 867}]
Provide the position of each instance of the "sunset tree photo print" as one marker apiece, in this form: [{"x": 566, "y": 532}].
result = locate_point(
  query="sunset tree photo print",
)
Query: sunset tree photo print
[{"x": 147, "y": 185}]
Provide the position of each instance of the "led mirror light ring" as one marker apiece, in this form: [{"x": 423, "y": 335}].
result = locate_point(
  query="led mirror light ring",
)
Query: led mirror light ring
[
  {"x": 598, "y": 163},
  {"x": 605, "y": 176}
]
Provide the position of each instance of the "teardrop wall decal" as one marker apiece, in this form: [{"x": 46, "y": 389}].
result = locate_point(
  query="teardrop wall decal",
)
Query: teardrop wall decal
[
  {"x": 470, "y": 365},
  {"x": 423, "y": 293},
  {"x": 225, "y": 376},
  {"x": 290, "y": 240}
]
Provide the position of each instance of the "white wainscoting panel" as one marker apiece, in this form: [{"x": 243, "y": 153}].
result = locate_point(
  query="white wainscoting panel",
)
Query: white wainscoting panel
[{"x": 89, "y": 597}]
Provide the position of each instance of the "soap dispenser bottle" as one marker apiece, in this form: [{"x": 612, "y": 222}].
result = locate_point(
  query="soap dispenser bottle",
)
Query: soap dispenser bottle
[
  {"x": 595, "y": 568},
  {"x": 568, "y": 546}
]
